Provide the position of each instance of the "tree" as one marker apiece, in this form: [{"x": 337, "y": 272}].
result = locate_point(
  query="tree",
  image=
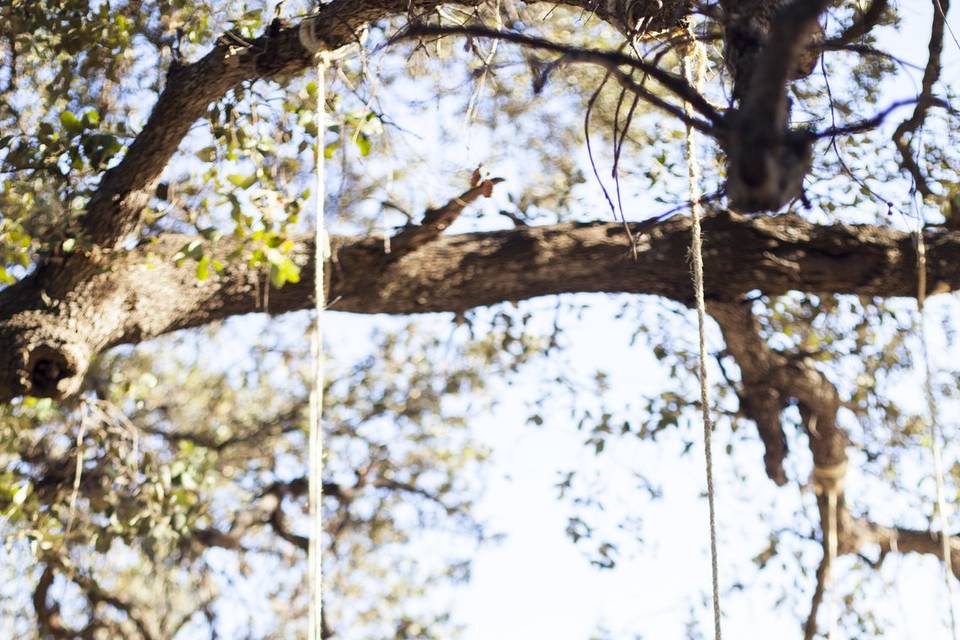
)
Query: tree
[{"x": 120, "y": 233}]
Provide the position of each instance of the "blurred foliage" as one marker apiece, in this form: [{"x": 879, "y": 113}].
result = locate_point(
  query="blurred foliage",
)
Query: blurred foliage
[
  {"x": 178, "y": 461},
  {"x": 169, "y": 497}
]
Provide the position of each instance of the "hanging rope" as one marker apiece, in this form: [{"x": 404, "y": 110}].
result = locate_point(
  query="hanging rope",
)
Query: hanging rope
[
  {"x": 321, "y": 244},
  {"x": 315, "y": 471},
  {"x": 696, "y": 58},
  {"x": 828, "y": 481},
  {"x": 832, "y": 551},
  {"x": 934, "y": 419}
]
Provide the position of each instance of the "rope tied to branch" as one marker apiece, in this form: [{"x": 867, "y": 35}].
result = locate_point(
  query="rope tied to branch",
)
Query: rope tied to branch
[
  {"x": 315, "y": 454},
  {"x": 693, "y": 63},
  {"x": 829, "y": 479}
]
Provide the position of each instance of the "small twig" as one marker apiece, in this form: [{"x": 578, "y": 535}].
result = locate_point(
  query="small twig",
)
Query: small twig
[
  {"x": 436, "y": 220},
  {"x": 836, "y": 148},
  {"x": 586, "y": 135},
  {"x": 875, "y": 121},
  {"x": 867, "y": 50},
  {"x": 810, "y": 627}
]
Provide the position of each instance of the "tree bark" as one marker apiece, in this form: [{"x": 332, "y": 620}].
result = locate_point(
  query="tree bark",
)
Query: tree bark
[
  {"x": 766, "y": 45},
  {"x": 49, "y": 332}
]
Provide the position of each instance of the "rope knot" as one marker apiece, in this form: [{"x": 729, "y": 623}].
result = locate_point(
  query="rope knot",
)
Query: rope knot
[{"x": 829, "y": 480}]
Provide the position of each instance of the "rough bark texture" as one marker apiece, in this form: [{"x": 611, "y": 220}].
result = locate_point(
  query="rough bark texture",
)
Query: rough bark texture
[
  {"x": 766, "y": 45},
  {"x": 770, "y": 380},
  {"x": 142, "y": 294}
]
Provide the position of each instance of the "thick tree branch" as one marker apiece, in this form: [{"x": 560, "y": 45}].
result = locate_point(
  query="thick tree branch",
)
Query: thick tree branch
[
  {"x": 861, "y": 532},
  {"x": 125, "y": 190},
  {"x": 760, "y": 400},
  {"x": 145, "y": 294},
  {"x": 790, "y": 32},
  {"x": 787, "y": 376},
  {"x": 770, "y": 379},
  {"x": 115, "y": 209},
  {"x": 767, "y": 45}
]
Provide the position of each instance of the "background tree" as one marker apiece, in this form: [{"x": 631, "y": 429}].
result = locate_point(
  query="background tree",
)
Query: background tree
[{"x": 156, "y": 172}]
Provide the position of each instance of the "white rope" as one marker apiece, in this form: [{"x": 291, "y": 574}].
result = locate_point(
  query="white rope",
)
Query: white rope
[
  {"x": 933, "y": 416},
  {"x": 315, "y": 471},
  {"x": 695, "y": 77},
  {"x": 832, "y": 552},
  {"x": 829, "y": 481}
]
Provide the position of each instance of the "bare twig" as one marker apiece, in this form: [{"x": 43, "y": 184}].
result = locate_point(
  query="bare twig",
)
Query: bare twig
[
  {"x": 611, "y": 60},
  {"x": 435, "y": 221},
  {"x": 923, "y": 101},
  {"x": 871, "y": 123}
]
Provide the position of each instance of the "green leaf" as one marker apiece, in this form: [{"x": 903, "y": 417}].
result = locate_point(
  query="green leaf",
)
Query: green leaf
[
  {"x": 193, "y": 249},
  {"x": 91, "y": 119},
  {"x": 364, "y": 144},
  {"x": 243, "y": 182},
  {"x": 203, "y": 268},
  {"x": 207, "y": 154},
  {"x": 283, "y": 271},
  {"x": 71, "y": 123}
]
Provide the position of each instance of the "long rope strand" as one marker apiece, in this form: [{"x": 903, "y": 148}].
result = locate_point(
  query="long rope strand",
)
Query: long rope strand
[
  {"x": 315, "y": 472},
  {"x": 695, "y": 76},
  {"x": 933, "y": 416},
  {"x": 832, "y": 551}
]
